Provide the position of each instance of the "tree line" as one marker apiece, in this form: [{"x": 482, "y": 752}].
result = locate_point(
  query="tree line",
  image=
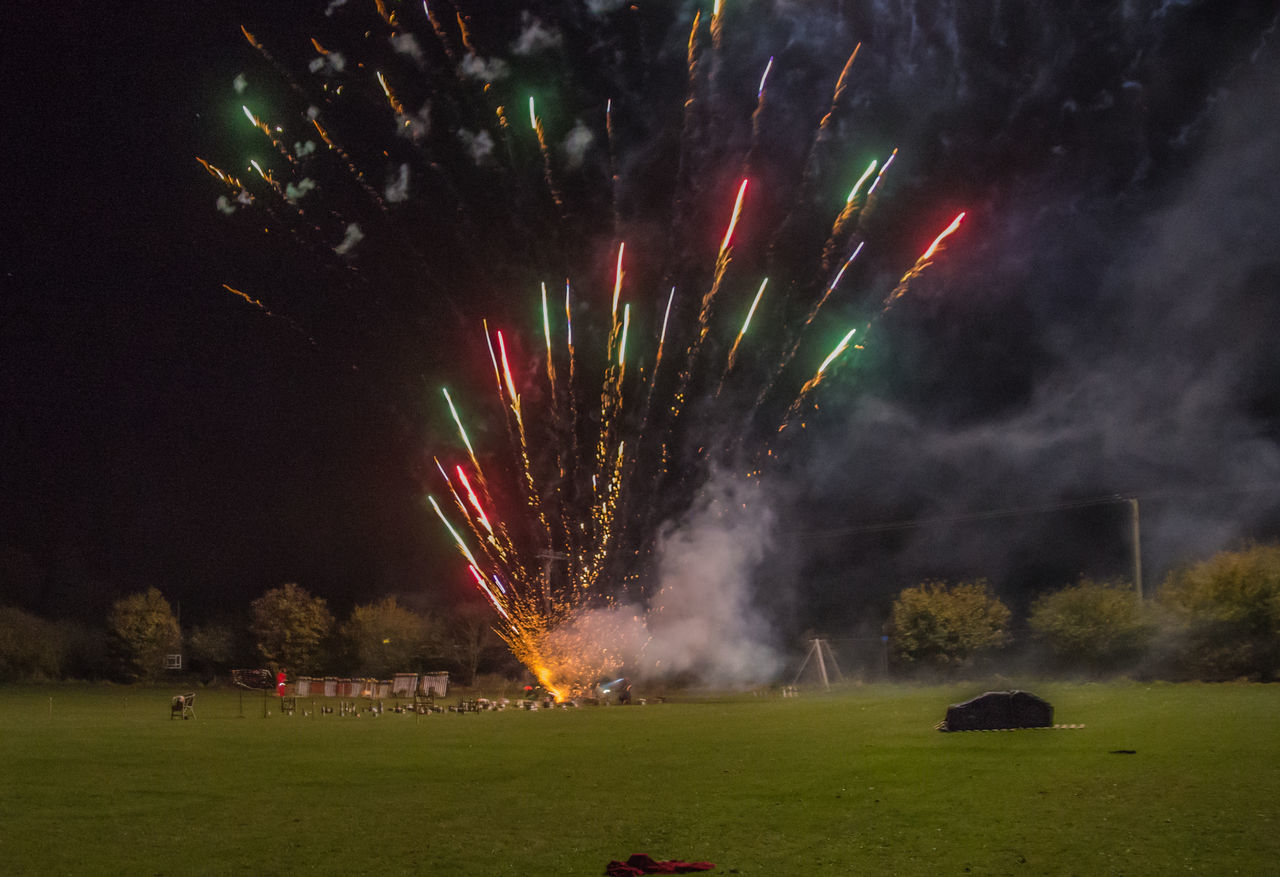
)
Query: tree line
[
  {"x": 1218, "y": 619},
  {"x": 1215, "y": 620},
  {"x": 287, "y": 629}
]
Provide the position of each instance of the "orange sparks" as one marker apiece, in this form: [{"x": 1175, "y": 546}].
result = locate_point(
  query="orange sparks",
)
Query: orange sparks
[
  {"x": 221, "y": 175},
  {"x": 396, "y": 106},
  {"x": 245, "y": 296},
  {"x": 252, "y": 40},
  {"x": 465, "y": 33}
]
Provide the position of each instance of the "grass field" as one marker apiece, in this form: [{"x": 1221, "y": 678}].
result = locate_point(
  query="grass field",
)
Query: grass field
[{"x": 99, "y": 780}]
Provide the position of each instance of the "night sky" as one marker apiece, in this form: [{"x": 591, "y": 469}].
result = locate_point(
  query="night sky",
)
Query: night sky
[{"x": 1102, "y": 325}]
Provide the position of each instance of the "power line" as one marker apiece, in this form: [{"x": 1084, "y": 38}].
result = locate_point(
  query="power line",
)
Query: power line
[{"x": 1020, "y": 511}]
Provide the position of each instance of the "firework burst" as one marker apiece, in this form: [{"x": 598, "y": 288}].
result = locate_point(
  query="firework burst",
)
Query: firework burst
[{"x": 559, "y": 527}]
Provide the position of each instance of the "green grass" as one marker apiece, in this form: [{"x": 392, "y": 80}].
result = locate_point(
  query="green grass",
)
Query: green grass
[{"x": 100, "y": 780}]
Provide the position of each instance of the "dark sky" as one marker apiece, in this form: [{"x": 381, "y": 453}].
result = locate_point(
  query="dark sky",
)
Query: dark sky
[{"x": 1103, "y": 324}]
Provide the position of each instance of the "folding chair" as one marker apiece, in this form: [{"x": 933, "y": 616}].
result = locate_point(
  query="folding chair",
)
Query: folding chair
[{"x": 183, "y": 705}]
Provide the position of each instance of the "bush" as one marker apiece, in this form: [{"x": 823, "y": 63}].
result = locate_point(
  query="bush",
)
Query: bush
[
  {"x": 1098, "y": 627},
  {"x": 214, "y": 649},
  {"x": 31, "y": 648},
  {"x": 941, "y": 625},
  {"x": 1225, "y": 614}
]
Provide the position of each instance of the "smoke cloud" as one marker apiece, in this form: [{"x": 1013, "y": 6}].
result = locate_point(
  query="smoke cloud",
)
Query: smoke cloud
[
  {"x": 576, "y": 143},
  {"x": 417, "y": 126},
  {"x": 407, "y": 44},
  {"x": 352, "y": 236},
  {"x": 328, "y": 64},
  {"x": 397, "y": 189},
  {"x": 703, "y": 620},
  {"x": 295, "y": 191},
  {"x": 535, "y": 37},
  {"x": 485, "y": 70},
  {"x": 479, "y": 144},
  {"x": 703, "y": 623},
  {"x": 1101, "y": 325},
  {"x": 604, "y": 7}
]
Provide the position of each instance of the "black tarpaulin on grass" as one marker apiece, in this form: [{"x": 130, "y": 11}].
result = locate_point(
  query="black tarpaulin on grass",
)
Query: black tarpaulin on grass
[{"x": 999, "y": 709}]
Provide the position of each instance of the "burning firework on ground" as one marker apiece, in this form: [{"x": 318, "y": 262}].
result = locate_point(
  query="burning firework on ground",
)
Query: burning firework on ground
[{"x": 696, "y": 350}]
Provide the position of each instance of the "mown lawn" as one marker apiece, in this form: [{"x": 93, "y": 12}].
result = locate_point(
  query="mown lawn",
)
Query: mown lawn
[{"x": 99, "y": 780}]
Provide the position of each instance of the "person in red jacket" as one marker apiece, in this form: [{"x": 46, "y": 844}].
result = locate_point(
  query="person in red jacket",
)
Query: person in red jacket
[{"x": 280, "y": 683}]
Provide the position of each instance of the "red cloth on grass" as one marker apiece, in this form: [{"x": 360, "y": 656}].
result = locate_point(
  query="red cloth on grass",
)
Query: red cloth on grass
[{"x": 640, "y": 864}]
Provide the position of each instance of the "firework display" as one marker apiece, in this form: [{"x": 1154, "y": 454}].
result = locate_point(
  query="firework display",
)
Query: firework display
[{"x": 695, "y": 348}]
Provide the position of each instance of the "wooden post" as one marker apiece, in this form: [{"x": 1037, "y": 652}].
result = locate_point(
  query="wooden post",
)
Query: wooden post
[{"x": 1136, "y": 530}]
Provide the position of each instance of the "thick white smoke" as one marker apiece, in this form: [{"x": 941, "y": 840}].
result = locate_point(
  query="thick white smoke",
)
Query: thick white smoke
[
  {"x": 703, "y": 621},
  {"x": 702, "y": 625}
]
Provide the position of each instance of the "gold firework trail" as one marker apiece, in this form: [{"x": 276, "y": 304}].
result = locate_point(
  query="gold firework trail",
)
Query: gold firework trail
[
  {"x": 925, "y": 260},
  {"x": 547, "y": 174}
]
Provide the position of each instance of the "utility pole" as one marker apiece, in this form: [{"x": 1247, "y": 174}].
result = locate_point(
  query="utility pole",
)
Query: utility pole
[
  {"x": 548, "y": 557},
  {"x": 1137, "y": 545}
]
